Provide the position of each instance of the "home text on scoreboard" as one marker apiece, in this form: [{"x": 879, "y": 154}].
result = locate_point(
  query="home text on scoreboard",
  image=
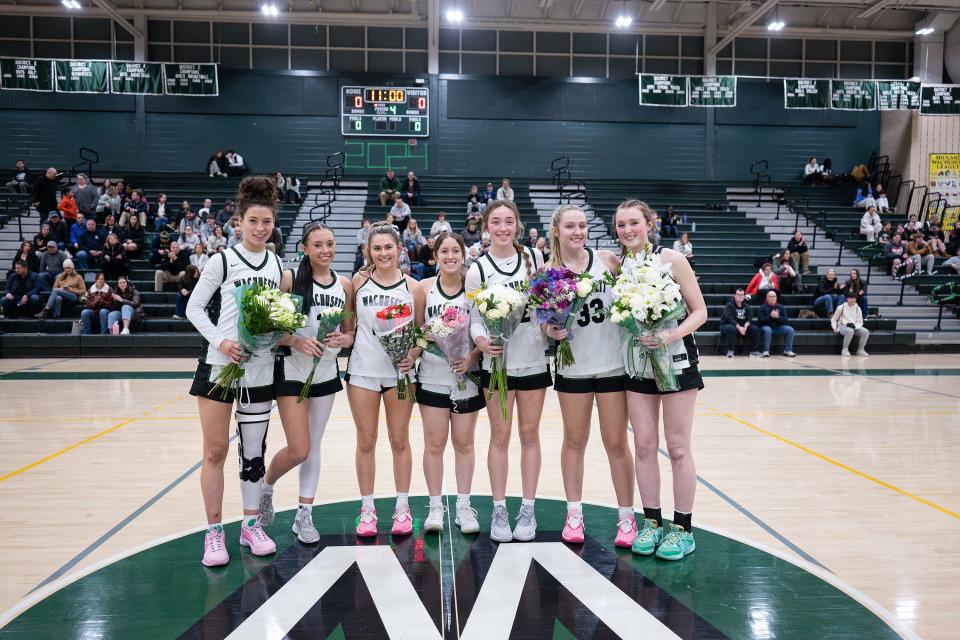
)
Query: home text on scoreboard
[{"x": 385, "y": 111}]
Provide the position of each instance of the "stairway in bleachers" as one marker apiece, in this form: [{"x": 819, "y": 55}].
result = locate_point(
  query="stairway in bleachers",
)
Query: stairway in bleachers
[{"x": 346, "y": 214}]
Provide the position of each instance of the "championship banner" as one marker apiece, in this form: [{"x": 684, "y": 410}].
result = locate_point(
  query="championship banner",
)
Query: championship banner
[
  {"x": 940, "y": 99},
  {"x": 139, "y": 78},
  {"x": 713, "y": 91},
  {"x": 895, "y": 95},
  {"x": 663, "y": 91},
  {"x": 801, "y": 93},
  {"x": 82, "y": 76},
  {"x": 853, "y": 95},
  {"x": 945, "y": 180},
  {"x": 26, "y": 74},
  {"x": 190, "y": 79}
]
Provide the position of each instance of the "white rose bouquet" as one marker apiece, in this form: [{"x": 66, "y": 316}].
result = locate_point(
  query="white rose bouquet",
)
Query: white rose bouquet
[
  {"x": 501, "y": 309},
  {"x": 645, "y": 299},
  {"x": 266, "y": 315}
]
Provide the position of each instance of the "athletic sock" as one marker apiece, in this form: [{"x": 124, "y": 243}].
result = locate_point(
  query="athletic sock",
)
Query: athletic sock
[
  {"x": 402, "y": 501},
  {"x": 575, "y": 507},
  {"x": 527, "y": 502},
  {"x": 626, "y": 513},
  {"x": 306, "y": 505},
  {"x": 215, "y": 527},
  {"x": 267, "y": 487},
  {"x": 435, "y": 502},
  {"x": 366, "y": 502},
  {"x": 463, "y": 499},
  {"x": 249, "y": 521},
  {"x": 683, "y": 519},
  {"x": 654, "y": 514},
  {"x": 499, "y": 503}
]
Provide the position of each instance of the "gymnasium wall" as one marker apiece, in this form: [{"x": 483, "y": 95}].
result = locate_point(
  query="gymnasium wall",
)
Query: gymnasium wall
[{"x": 480, "y": 126}]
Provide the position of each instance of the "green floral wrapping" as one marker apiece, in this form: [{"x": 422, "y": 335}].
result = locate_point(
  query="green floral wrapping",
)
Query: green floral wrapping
[{"x": 658, "y": 359}]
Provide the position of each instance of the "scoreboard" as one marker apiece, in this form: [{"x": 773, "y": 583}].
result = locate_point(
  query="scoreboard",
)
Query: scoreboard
[{"x": 385, "y": 111}]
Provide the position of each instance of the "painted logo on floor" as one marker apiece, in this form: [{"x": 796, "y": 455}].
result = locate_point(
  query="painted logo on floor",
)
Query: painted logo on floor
[{"x": 429, "y": 586}]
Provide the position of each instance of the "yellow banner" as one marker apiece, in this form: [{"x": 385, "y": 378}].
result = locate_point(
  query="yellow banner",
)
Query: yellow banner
[{"x": 945, "y": 180}]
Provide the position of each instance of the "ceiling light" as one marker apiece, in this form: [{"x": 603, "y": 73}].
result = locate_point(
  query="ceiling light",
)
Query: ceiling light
[
  {"x": 455, "y": 16},
  {"x": 925, "y": 31},
  {"x": 624, "y": 21},
  {"x": 270, "y": 10},
  {"x": 776, "y": 25},
  {"x": 71, "y": 4}
]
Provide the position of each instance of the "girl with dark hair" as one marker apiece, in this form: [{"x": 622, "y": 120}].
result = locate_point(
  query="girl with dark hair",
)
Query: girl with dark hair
[{"x": 322, "y": 290}]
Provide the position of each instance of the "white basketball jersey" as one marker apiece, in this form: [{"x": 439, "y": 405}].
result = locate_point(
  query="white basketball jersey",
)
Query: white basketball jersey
[
  {"x": 368, "y": 357},
  {"x": 257, "y": 268},
  {"x": 434, "y": 370},
  {"x": 325, "y": 297},
  {"x": 597, "y": 343}
]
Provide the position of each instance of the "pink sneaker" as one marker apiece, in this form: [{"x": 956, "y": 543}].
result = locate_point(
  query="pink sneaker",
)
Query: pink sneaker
[
  {"x": 257, "y": 539},
  {"x": 367, "y": 523},
  {"x": 573, "y": 529},
  {"x": 214, "y": 548},
  {"x": 402, "y": 522},
  {"x": 626, "y": 533}
]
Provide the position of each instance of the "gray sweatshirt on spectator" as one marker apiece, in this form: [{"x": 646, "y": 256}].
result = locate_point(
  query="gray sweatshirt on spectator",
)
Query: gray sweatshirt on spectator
[
  {"x": 87, "y": 198},
  {"x": 52, "y": 263}
]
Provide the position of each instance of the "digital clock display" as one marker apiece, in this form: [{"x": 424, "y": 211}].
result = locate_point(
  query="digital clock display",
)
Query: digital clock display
[{"x": 385, "y": 111}]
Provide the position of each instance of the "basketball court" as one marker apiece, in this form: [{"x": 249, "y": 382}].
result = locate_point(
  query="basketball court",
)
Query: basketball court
[{"x": 818, "y": 514}]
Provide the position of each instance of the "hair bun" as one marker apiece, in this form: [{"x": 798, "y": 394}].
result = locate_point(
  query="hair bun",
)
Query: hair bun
[{"x": 257, "y": 190}]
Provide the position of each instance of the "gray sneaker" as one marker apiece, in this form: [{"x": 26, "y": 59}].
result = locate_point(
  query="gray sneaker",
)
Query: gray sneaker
[
  {"x": 526, "y": 529},
  {"x": 303, "y": 527},
  {"x": 500, "y": 525},
  {"x": 266, "y": 504},
  {"x": 467, "y": 519}
]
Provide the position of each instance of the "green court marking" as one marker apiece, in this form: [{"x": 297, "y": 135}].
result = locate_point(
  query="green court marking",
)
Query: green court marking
[{"x": 560, "y": 632}]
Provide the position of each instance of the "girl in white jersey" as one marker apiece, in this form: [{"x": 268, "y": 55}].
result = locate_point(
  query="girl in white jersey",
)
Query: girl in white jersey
[
  {"x": 213, "y": 311},
  {"x": 597, "y": 375},
  {"x": 528, "y": 374},
  {"x": 633, "y": 221},
  {"x": 443, "y": 408},
  {"x": 322, "y": 289},
  {"x": 371, "y": 375}
]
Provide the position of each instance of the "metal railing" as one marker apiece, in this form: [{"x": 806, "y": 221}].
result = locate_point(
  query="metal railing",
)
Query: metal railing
[{"x": 88, "y": 158}]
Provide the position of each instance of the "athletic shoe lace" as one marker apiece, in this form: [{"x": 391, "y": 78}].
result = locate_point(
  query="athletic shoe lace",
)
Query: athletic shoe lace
[
  {"x": 305, "y": 521},
  {"x": 500, "y": 516},
  {"x": 257, "y": 531},
  {"x": 437, "y": 508},
  {"x": 626, "y": 525},
  {"x": 525, "y": 517},
  {"x": 463, "y": 511},
  {"x": 366, "y": 516},
  {"x": 402, "y": 514},
  {"x": 574, "y": 520},
  {"x": 649, "y": 530},
  {"x": 215, "y": 540},
  {"x": 674, "y": 538}
]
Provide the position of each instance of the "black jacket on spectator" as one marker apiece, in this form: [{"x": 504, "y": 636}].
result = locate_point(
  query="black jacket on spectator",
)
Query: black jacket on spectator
[
  {"x": 117, "y": 265},
  {"x": 33, "y": 262},
  {"x": 40, "y": 241},
  {"x": 45, "y": 193},
  {"x": 796, "y": 247},
  {"x": 20, "y": 287},
  {"x": 175, "y": 266},
  {"x": 732, "y": 314},
  {"x": 90, "y": 241},
  {"x": 764, "y": 319},
  {"x": 825, "y": 286},
  {"x": 60, "y": 232},
  {"x": 134, "y": 235},
  {"x": 22, "y": 176}
]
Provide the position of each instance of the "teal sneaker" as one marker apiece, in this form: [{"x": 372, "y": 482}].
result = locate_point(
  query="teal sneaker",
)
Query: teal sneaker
[
  {"x": 647, "y": 540},
  {"x": 677, "y": 544}
]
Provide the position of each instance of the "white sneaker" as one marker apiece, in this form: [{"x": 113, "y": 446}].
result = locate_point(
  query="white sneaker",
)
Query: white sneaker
[
  {"x": 755, "y": 354},
  {"x": 500, "y": 525},
  {"x": 125, "y": 332},
  {"x": 303, "y": 527},
  {"x": 467, "y": 519},
  {"x": 845, "y": 353},
  {"x": 526, "y": 528},
  {"x": 790, "y": 354},
  {"x": 176, "y": 317},
  {"x": 729, "y": 354},
  {"x": 434, "y": 521},
  {"x": 765, "y": 354},
  {"x": 266, "y": 504},
  {"x": 863, "y": 354}
]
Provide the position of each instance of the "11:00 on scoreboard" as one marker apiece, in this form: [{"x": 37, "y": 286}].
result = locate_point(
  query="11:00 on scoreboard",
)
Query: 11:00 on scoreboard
[{"x": 385, "y": 111}]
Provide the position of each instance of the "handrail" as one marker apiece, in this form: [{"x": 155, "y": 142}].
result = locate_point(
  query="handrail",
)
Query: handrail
[
  {"x": 758, "y": 182},
  {"x": 335, "y": 159},
  {"x": 922, "y": 188},
  {"x": 904, "y": 209},
  {"x": 894, "y": 194},
  {"x": 88, "y": 158},
  {"x": 560, "y": 162},
  {"x": 758, "y": 167}
]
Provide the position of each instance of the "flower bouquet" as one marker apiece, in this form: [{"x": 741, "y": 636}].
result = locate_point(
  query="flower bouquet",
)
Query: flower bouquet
[
  {"x": 266, "y": 315},
  {"x": 329, "y": 319},
  {"x": 397, "y": 335},
  {"x": 501, "y": 309},
  {"x": 447, "y": 336},
  {"x": 646, "y": 299},
  {"x": 556, "y": 296}
]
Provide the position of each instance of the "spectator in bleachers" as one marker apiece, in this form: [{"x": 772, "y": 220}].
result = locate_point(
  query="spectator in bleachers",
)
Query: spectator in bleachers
[
  {"x": 864, "y": 197},
  {"x": 773, "y": 321},
  {"x": 737, "y": 320},
  {"x": 187, "y": 283},
  {"x": 473, "y": 254},
  {"x": 544, "y": 248},
  {"x": 798, "y": 247},
  {"x": 896, "y": 254},
  {"x": 812, "y": 173},
  {"x": 21, "y": 292},
  {"x": 217, "y": 242},
  {"x": 188, "y": 239},
  {"x": 160, "y": 248},
  {"x": 474, "y": 200},
  {"x": 389, "y": 187},
  {"x": 885, "y": 232},
  {"x": 114, "y": 261},
  {"x": 401, "y": 211},
  {"x": 404, "y": 264},
  {"x": 110, "y": 226},
  {"x": 135, "y": 206},
  {"x": 440, "y": 225},
  {"x": 50, "y": 264},
  {"x": 68, "y": 289},
  {"x": 787, "y": 267},
  {"x": 45, "y": 190},
  {"x": 191, "y": 220},
  {"x": 68, "y": 207},
  {"x": 935, "y": 237},
  {"x": 59, "y": 229},
  {"x": 765, "y": 281},
  {"x": 828, "y": 294},
  {"x": 489, "y": 195},
  {"x": 207, "y": 208},
  {"x": 532, "y": 235},
  {"x": 847, "y": 321},
  {"x": 411, "y": 190},
  {"x": 912, "y": 227},
  {"x": 224, "y": 215},
  {"x": 670, "y": 225},
  {"x": 920, "y": 253},
  {"x": 235, "y": 238},
  {"x": 684, "y": 246},
  {"x": 122, "y": 192},
  {"x": 412, "y": 239},
  {"x": 505, "y": 192},
  {"x": 42, "y": 237},
  {"x": 281, "y": 183},
  {"x": 217, "y": 165},
  {"x": 236, "y": 166},
  {"x": 108, "y": 201},
  {"x": 86, "y": 196},
  {"x": 20, "y": 182},
  {"x": 275, "y": 241},
  {"x": 826, "y": 171},
  {"x": 883, "y": 205},
  {"x": 159, "y": 214},
  {"x": 207, "y": 225},
  {"x": 76, "y": 230},
  {"x": 427, "y": 260},
  {"x": 89, "y": 246},
  {"x": 363, "y": 232},
  {"x": 171, "y": 267},
  {"x": 98, "y": 303},
  {"x": 870, "y": 224},
  {"x": 28, "y": 255},
  {"x": 199, "y": 257},
  {"x": 292, "y": 194},
  {"x": 133, "y": 237},
  {"x": 127, "y": 298},
  {"x": 858, "y": 287},
  {"x": 471, "y": 233}
]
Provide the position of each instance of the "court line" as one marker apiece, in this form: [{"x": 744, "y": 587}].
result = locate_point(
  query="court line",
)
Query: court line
[
  {"x": 845, "y": 467},
  {"x": 878, "y": 375}
]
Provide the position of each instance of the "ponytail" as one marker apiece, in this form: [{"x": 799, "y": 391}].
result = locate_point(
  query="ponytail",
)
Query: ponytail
[{"x": 303, "y": 279}]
